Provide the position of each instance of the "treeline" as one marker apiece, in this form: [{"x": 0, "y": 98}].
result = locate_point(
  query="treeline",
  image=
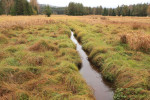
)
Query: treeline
[
  {"x": 58, "y": 10},
  {"x": 124, "y": 10},
  {"x": 55, "y": 10},
  {"x": 19, "y": 7},
  {"x": 76, "y": 9}
]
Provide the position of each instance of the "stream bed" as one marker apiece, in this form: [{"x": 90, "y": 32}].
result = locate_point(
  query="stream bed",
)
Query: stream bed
[{"x": 101, "y": 89}]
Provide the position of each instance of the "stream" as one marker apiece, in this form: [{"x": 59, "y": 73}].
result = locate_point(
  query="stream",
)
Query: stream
[{"x": 102, "y": 89}]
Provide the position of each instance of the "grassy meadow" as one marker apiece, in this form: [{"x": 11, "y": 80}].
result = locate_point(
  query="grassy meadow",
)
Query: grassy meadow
[
  {"x": 39, "y": 61},
  {"x": 120, "y": 47}
]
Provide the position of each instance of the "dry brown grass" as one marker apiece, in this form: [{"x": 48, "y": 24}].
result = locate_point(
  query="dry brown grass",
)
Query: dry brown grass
[
  {"x": 20, "y": 22},
  {"x": 3, "y": 39},
  {"x": 115, "y": 31},
  {"x": 137, "y": 41},
  {"x": 43, "y": 46},
  {"x": 23, "y": 76},
  {"x": 4, "y": 91},
  {"x": 21, "y": 41},
  {"x": 2, "y": 55},
  {"x": 104, "y": 18},
  {"x": 35, "y": 61},
  {"x": 136, "y": 26}
]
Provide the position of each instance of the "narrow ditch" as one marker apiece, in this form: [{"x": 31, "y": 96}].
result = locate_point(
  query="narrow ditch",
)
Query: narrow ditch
[{"x": 102, "y": 89}]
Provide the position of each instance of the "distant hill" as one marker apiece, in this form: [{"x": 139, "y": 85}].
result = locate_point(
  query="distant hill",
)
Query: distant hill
[{"x": 55, "y": 9}]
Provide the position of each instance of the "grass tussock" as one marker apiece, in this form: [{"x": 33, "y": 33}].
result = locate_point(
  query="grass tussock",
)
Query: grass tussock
[
  {"x": 104, "y": 18},
  {"x": 5, "y": 91},
  {"x": 35, "y": 61},
  {"x": 2, "y": 55},
  {"x": 8, "y": 33},
  {"x": 3, "y": 39},
  {"x": 21, "y": 41},
  {"x": 115, "y": 31},
  {"x": 137, "y": 41},
  {"x": 136, "y": 26},
  {"x": 64, "y": 31},
  {"x": 43, "y": 46}
]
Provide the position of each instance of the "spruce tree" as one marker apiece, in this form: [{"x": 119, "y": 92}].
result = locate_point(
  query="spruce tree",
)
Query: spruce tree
[
  {"x": 148, "y": 10},
  {"x": 113, "y": 12},
  {"x": 1, "y": 9},
  {"x": 48, "y": 11}
]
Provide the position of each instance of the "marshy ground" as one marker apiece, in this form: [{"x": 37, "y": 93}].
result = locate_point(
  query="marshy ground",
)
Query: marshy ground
[{"x": 39, "y": 61}]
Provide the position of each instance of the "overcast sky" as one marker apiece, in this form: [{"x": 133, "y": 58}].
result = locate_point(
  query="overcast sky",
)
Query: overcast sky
[{"x": 93, "y": 3}]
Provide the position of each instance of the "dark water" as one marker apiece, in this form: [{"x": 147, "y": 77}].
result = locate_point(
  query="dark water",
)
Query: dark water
[{"x": 101, "y": 88}]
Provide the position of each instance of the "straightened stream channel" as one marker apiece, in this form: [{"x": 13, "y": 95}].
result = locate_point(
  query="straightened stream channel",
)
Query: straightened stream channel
[{"x": 102, "y": 89}]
